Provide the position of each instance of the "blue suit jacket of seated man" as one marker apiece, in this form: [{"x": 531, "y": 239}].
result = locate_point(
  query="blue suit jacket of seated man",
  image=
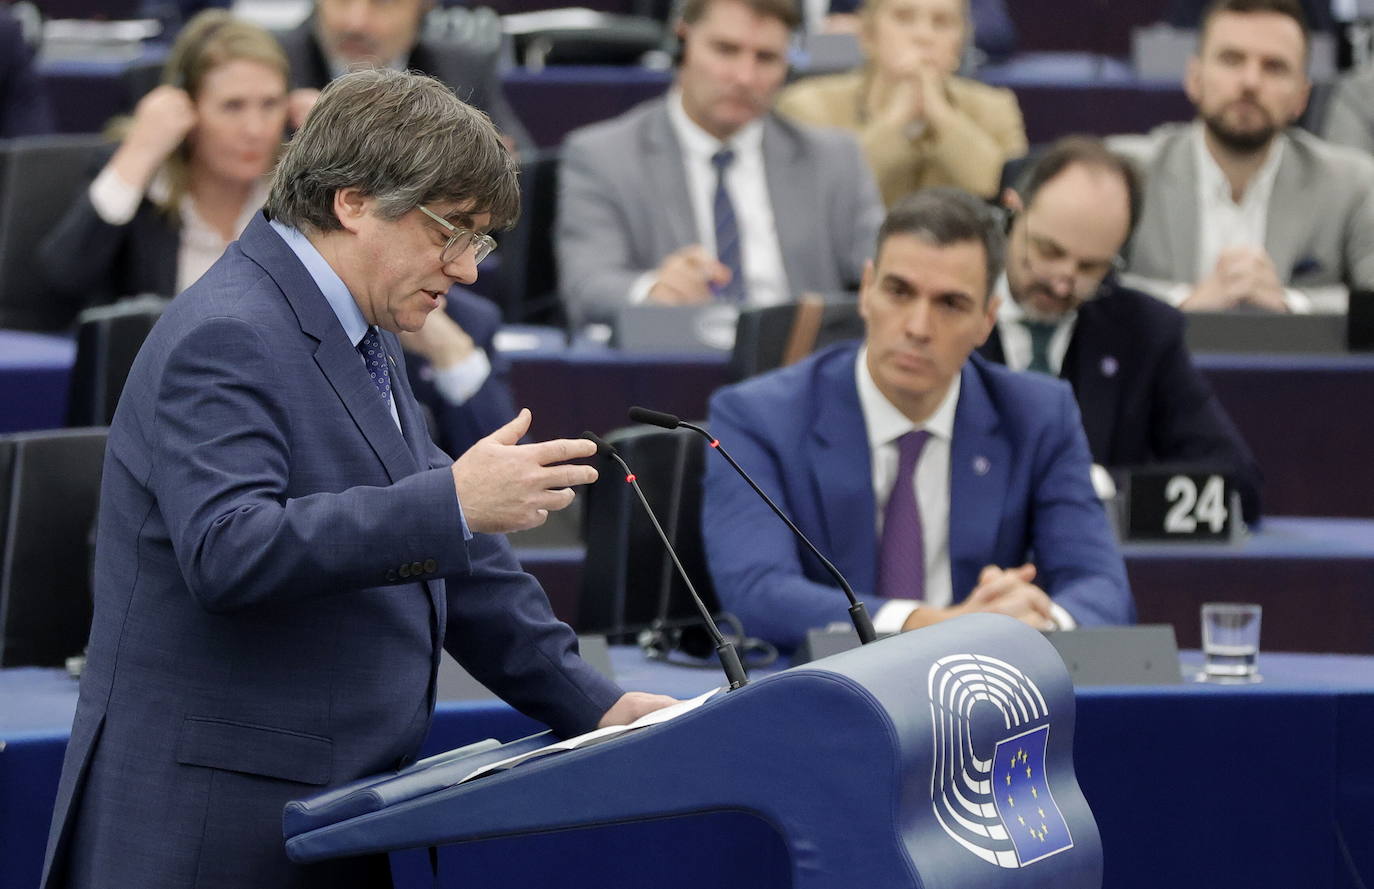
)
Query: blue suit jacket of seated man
[{"x": 1019, "y": 490}]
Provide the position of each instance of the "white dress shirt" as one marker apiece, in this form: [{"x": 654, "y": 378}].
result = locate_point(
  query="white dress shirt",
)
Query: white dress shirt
[
  {"x": 747, "y": 182},
  {"x": 1016, "y": 339},
  {"x": 199, "y": 244},
  {"x": 1224, "y": 222}
]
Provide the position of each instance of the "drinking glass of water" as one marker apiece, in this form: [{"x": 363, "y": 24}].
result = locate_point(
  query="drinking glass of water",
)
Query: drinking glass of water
[{"x": 1230, "y": 642}]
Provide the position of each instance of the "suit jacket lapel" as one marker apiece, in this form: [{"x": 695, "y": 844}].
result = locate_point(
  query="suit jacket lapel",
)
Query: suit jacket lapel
[
  {"x": 335, "y": 355},
  {"x": 1178, "y": 198},
  {"x": 1287, "y": 230},
  {"x": 413, "y": 425},
  {"x": 667, "y": 173},
  {"x": 1093, "y": 367},
  {"x": 785, "y": 168},
  {"x": 842, "y": 474},
  {"x": 979, "y": 472}
]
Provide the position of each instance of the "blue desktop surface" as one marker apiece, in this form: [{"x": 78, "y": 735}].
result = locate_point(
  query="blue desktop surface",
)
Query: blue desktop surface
[{"x": 1268, "y": 785}]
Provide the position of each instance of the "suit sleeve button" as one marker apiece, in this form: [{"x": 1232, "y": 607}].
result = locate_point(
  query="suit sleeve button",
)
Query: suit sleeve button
[
  {"x": 431, "y": 566},
  {"x": 416, "y": 569},
  {"x": 391, "y": 576},
  {"x": 405, "y": 571}
]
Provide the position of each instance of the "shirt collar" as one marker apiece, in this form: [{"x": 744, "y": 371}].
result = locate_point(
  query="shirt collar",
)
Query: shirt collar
[
  {"x": 328, "y": 280},
  {"x": 885, "y": 423},
  {"x": 1213, "y": 184},
  {"x": 697, "y": 144}
]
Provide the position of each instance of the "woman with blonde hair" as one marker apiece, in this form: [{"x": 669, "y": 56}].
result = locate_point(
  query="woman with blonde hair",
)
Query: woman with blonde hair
[
  {"x": 189, "y": 171},
  {"x": 919, "y": 124}
]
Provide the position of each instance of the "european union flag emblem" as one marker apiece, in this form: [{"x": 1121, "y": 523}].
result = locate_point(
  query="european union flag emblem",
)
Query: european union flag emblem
[{"x": 1021, "y": 793}]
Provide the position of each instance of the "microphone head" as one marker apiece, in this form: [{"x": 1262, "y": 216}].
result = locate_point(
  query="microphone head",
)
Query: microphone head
[
  {"x": 602, "y": 448},
  {"x": 654, "y": 418}
]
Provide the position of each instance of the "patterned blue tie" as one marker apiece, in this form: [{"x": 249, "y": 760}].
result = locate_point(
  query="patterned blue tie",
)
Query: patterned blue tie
[
  {"x": 727, "y": 231},
  {"x": 375, "y": 357}
]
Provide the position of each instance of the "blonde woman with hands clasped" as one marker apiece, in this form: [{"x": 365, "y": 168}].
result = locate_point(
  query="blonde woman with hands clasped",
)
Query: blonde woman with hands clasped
[{"x": 920, "y": 125}]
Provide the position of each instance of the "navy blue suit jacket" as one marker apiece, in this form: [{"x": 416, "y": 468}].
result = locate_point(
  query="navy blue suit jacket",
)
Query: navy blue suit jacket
[
  {"x": 1019, "y": 490},
  {"x": 277, "y": 570},
  {"x": 1143, "y": 401}
]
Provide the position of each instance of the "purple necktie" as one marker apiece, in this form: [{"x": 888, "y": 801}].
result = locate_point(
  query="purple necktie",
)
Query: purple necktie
[
  {"x": 901, "y": 554},
  {"x": 375, "y": 357}
]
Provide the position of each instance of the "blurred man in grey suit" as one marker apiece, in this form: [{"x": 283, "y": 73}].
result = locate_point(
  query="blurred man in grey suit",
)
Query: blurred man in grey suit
[
  {"x": 1241, "y": 210},
  {"x": 706, "y": 194}
]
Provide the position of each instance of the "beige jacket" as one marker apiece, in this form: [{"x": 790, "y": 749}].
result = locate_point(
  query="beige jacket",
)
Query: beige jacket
[{"x": 987, "y": 132}]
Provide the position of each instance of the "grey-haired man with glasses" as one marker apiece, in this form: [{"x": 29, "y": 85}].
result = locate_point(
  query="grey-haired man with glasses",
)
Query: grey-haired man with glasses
[
  {"x": 282, "y": 552},
  {"x": 1065, "y": 313}
]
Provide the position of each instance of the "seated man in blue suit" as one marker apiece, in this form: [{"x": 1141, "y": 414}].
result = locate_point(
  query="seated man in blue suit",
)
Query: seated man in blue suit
[
  {"x": 939, "y": 484},
  {"x": 282, "y": 553}
]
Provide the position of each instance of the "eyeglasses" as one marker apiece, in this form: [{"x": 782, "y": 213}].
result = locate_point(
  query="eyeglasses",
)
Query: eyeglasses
[
  {"x": 460, "y": 239},
  {"x": 1087, "y": 274}
]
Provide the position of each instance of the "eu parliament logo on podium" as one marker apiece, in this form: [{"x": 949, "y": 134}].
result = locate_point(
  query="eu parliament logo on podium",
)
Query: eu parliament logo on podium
[{"x": 989, "y": 787}]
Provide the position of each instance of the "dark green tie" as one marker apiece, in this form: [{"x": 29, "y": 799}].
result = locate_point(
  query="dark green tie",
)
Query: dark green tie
[{"x": 1041, "y": 332}]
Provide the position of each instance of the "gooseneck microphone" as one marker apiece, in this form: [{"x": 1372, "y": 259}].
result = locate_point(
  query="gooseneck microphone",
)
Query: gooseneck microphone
[
  {"x": 725, "y": 650},
  {"x": 857, "y": 612}
]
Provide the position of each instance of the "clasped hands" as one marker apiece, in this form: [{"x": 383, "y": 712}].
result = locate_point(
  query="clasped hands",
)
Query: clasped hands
[
  {"x": 1008, "y": 591},
  {"x": 1243, "y": 275}
]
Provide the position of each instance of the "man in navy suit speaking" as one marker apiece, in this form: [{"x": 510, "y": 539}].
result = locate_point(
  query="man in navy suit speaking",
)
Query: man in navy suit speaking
[
  {"x": 282, "y": 552},
  {"x": 938, "y": 484}
]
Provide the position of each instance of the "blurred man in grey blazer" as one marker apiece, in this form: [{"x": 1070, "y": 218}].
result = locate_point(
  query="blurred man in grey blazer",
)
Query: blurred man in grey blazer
[
  {"x": 1242, "y": 210},
  {"x": 706, "y": 194}
]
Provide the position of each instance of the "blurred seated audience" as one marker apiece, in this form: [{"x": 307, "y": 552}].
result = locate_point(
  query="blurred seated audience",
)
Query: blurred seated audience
[
  {"x": 706, "y": 194},
  {"x": 344, "y": 34},
  {"x": 456, "y": 373},
  {"x": 1063, "y": 311},
  {"x": 994, "y": 33},
  {"x": 938, "y": 483},
  {"x": 1349, "y": 117},
  {"x": 188, "y": 173},
  {"x": 919, "y": 123},
  {"x": 24, "y": 108},
  {"x": 1242, "y": 210}
]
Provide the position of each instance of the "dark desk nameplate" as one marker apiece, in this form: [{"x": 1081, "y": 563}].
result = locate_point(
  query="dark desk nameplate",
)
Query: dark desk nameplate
[
  {"x": 1182, "y": 505},
  {"x": 1143, "y": 655}
]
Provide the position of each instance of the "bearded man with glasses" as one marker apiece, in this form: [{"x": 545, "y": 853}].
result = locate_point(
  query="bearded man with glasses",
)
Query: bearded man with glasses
[{"x": 1064, "y": 312}]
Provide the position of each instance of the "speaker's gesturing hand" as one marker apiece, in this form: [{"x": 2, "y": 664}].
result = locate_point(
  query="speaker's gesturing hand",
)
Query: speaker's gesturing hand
[{"x": 506, "y": 486}]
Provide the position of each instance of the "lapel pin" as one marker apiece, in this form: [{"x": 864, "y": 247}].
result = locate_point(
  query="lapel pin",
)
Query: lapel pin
[
  {"x": 1110, "y": 366},
  {"x": 981, "y": 465}
]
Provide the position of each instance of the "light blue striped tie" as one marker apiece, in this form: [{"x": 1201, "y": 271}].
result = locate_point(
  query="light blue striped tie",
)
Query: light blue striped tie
[{"x": 727, "y": 231}]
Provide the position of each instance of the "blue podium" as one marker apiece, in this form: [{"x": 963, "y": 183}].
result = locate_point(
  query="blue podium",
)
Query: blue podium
[{"x": 937, "y": 758}]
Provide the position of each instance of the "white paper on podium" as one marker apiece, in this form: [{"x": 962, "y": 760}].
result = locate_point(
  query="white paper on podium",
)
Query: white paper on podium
[{"x": 596, "y": 736}]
